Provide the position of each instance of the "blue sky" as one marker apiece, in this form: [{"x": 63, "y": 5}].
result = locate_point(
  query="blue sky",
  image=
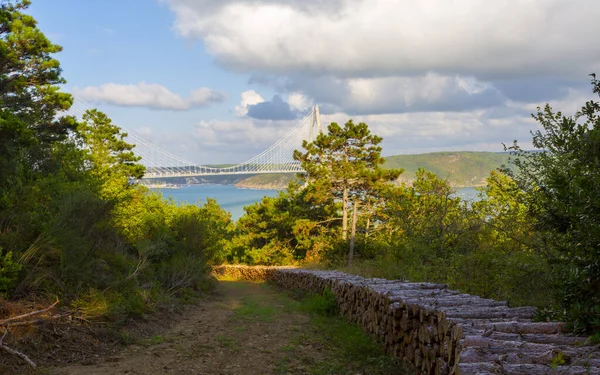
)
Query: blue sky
[
  {"x": 132, "y": 41},
  {"x": 216, "y": 81}
]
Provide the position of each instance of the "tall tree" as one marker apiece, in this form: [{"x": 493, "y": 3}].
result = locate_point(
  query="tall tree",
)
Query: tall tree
[
  {"x": 346, "y": 163},
  {"x": 29, "y": 100},
  {"x": 29, "y": 74},
  {"x": 112, "y": 159}
]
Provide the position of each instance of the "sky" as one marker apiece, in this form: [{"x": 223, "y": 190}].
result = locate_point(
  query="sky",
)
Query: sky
[{"x": 218, "y": 81}]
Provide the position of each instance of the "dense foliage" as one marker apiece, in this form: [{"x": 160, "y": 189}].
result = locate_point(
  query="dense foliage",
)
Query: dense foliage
[
  {"x": 71, "y": 223},
  {"x": 563, "y": 183},
  {"x": 532, "y": 237}
]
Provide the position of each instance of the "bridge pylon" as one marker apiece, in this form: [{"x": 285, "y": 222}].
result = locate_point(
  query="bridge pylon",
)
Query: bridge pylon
[{"x": 315, "y": 124}]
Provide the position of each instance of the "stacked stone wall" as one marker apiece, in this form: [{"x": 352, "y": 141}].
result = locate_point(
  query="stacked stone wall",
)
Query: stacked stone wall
[{"x": 442, "y": 331}]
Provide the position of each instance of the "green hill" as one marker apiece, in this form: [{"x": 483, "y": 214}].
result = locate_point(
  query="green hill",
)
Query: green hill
[
  {"x": 267, "y": 181},
  {"x": 464, "y": 168}
]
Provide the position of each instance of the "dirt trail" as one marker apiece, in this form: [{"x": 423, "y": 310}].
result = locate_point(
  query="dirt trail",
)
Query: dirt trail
[{"x": 244, "y": 329}]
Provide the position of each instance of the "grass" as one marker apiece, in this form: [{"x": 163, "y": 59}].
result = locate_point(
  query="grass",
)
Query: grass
[
  {"x": 252, "y": 310},
  {"x": 154, "y": 340},
  {"x": 327, "y": 345},
  {"x": 353, "y": 350}
]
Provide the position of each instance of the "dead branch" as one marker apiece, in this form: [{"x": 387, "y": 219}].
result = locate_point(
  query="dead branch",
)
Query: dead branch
[
  {"x": 25, "y": 320},
  {"x": 15, "y": 352},
  {"x": 36, "y": 321},
  {"x": 28, "y": 315}
]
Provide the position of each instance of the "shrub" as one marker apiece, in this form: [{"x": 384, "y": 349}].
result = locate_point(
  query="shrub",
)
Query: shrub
[{"x": 9, "y": 272}]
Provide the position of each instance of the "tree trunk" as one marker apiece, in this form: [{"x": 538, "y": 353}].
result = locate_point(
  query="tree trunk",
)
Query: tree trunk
[
  {"x": 353, "y": 233},
  {"x": 345, "y": 214}
]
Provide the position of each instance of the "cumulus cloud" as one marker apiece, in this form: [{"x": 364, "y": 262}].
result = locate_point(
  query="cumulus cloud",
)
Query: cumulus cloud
[
  {"x": 380, "y": 56},
  {"x": 249, "y": 98},
  {"x": 274, "y": 109},
  {"x": 299, "y": 101},
  {"x": 393, "y": 94},
  {"x": 255, "y": 106},
  {"x": 148, "y": 95},
  {"x": 359, "y": 38},
  {"x": 425, "y": 75},
  {"x": 233, "y": 141}
]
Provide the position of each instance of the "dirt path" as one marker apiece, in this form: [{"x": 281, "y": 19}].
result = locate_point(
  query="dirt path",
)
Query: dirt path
[{"x": 246, "y": 328}]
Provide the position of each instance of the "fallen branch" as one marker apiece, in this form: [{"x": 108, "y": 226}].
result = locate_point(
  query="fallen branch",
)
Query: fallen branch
[
  {"x": 21, "y": 320},
  {"x": 37, "y": 321},
  {"x": 15, "y": 352},
  {"x": 28, "y": 315}
]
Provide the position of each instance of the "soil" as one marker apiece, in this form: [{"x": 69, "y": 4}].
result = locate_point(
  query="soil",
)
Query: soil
[{"x": 219, "y": 336}]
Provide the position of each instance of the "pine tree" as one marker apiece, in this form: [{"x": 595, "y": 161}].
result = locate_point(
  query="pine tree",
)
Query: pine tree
[{"x": 346, "y": 164}]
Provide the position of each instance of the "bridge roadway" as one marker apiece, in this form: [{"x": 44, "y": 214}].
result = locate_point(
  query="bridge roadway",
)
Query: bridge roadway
[{"x": 213, "y": 173}]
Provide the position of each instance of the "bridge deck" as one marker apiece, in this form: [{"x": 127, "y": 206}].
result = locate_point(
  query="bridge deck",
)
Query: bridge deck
[{"x": 198, "y": 174}]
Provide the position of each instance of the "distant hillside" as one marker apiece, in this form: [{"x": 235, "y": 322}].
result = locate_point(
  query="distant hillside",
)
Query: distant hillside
[
  {"x": 274, "y": 181},
  {"x": 460, "y": 168}
]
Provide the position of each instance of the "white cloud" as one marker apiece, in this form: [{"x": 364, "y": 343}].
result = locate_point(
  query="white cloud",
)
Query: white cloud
[
  {"x": 359, "y": 38},
  {"x": 249, "y": 98},
  {"x": 404, "y": 94},
  {"x": 382, "y": 56},
  {"x": 418, "y": 132},
  {"x": 299, "y": 101},
  {"x": 395, "y": 94},
  {"x": 148, "y": 95},
  {"x": 482, "y": 129},
  {"x": 219, "y": 141}
]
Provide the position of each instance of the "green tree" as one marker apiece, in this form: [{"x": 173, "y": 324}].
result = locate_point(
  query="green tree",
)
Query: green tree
[
  {"x": 424, "y": 225},
  {"x": 111, "y": 157},
  {"x": 282, "y": 229},
  {"x": 71, "y": 224},
  {"x": 563, "y": 180},
  {"x": 29, "y": 79},
  {"x": 346, "y": 164},
  {"x": 35, "y": 158}
]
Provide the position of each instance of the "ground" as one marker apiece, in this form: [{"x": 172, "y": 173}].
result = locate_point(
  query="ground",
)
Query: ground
[{"x": 248, "y": 328}]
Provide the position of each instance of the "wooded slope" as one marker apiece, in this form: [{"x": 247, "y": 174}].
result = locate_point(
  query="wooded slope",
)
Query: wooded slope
[{"x": 460, "y": 168}]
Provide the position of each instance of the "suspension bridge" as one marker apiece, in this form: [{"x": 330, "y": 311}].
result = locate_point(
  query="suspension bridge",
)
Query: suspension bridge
[{"x": 278, "y": 158}]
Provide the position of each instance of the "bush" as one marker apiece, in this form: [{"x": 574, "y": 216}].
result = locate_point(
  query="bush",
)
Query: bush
[
  {"x": 9, "y": 273},
  {"x": 183, "y": 271}
]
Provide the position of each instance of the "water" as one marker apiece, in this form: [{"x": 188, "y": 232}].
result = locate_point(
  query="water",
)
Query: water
[
  {"x": 468, "y": 194},
  {"x": 229, "y": 197},
  {"x": 234, "y": 199}
]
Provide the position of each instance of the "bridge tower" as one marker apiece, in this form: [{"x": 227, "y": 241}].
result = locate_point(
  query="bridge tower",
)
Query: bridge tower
[{"x": 315, "y": 124}]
